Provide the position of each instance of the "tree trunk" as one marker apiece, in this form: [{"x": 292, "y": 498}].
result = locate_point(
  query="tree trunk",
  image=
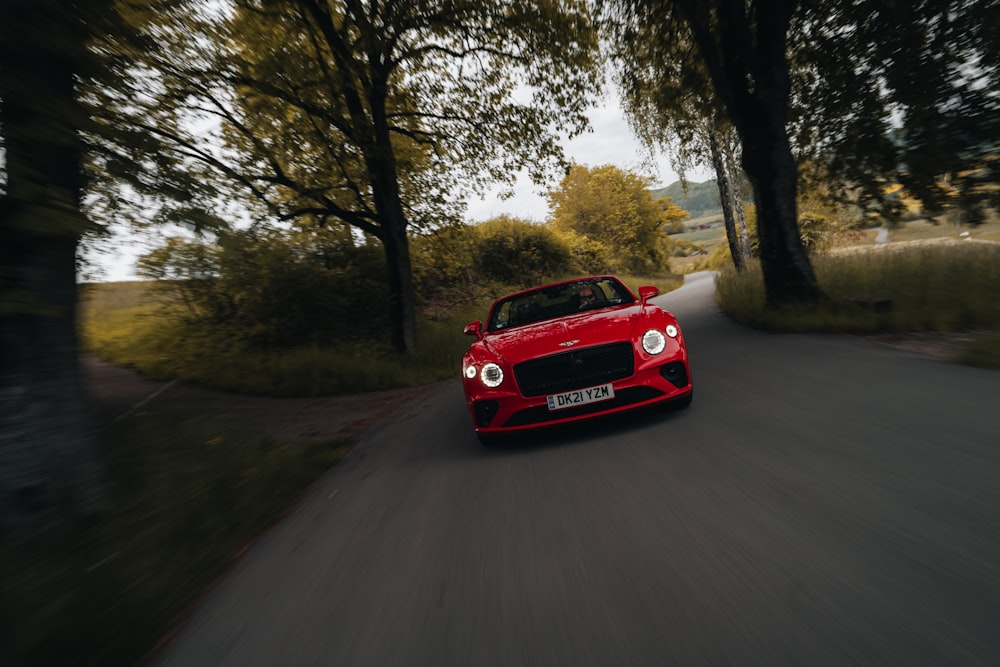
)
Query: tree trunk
[
  {"x": 728, "y": 150},
  {"x": 49, "y": 463},
  {"x": 401, "y": 290},
  {"x": 726, "y": 199},
  {"x": 745, "y": 56},
  {"x": 741, "y": 222},
  {"x": 768, "y": 162},
  {"x": 392, "y": 219}
]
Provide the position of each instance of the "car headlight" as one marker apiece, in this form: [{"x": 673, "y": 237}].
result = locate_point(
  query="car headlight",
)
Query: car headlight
[
  {"x": 470, "y": 371},
  {"x": 491, "y": 375},
  {"x": 653, "y": 341},
  {"x": 672, "y": 331}
]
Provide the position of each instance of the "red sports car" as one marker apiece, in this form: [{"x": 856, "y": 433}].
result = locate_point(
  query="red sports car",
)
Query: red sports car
[{"x": 569, "y": 351}]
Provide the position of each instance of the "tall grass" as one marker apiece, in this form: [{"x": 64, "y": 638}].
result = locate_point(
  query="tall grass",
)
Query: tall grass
[
  {"x": 943, "y": 287},
  {"x": 159, "y": 344}
]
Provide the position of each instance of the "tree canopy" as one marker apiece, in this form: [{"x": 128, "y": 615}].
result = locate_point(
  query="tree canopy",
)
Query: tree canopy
[
  {"x": 377, "y": 115},
  {"x": 612, "y": 219},
  {"x": 874, "y": 93},
  {"x": 734, "y": 53},
  {"x": 902, "y": 92}
]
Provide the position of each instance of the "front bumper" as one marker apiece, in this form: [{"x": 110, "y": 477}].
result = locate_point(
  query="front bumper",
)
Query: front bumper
[{"x": 504, "y": 412}]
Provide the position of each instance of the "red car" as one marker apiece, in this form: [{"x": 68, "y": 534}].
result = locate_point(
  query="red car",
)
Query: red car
[{"x": 570, "y": 351}]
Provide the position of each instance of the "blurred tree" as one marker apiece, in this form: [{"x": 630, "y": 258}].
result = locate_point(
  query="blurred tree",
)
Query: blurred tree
[
  {"x": 689, "y": 124},
  {"x": 901, "y": 92},
  {"x": 610, "y": 216},
  {"x": 370, "y": 113},
  {"x": 877, "y": 92},
  {"x": 49, "y": 463},
  {"x": 734, "y": 53}
]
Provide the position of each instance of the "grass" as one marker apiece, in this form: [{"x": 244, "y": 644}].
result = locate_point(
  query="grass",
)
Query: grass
[
  {"x": 128, "y": 329},
  {"x": 983, "y": 352},
  {"x": 709, "y": 238},
  {"x": 187, "y": 493},
  {"x": 949, "y": 287},
  {"x": 150, "y": 339}
]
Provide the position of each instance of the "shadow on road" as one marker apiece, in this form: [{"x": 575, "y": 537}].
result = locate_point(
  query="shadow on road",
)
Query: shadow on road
[{"x": 609, "y": 427}]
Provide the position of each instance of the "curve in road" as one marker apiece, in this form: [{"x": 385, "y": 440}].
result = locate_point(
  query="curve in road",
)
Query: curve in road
[{"x": 824, "y": 501}]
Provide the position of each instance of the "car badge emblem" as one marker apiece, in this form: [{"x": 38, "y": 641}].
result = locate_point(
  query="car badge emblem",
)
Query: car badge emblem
[{"x": 569, "y": 343}]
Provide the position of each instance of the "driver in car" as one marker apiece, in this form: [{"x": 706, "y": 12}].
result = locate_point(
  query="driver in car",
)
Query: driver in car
[{"x": 587, "y": 297}]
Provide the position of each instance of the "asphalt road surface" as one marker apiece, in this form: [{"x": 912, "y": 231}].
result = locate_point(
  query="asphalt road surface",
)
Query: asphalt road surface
[{"x": 824, "y": 501}]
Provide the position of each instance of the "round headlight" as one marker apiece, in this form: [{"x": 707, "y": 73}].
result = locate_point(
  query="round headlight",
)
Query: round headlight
[
  {"x": 491, "y": 375},
  {"x": 470, "y": 372},
  {"x": 672, "y": 331},
  {"x": 653, "y": 341}
]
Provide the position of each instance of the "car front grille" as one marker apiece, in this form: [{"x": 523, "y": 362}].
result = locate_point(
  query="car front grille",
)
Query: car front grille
[{"x": 575, "y": 369}]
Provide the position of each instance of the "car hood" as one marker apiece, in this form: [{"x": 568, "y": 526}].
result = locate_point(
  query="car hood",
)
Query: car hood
[{"x": 583, "y": 330}]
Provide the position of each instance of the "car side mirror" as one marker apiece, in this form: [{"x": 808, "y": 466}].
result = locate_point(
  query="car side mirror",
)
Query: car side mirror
[
  {"x": 474, "y": 329},
  {"x": 647, "y": 292}
]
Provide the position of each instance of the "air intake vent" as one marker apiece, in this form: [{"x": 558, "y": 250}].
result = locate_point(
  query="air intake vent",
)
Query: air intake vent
[{"x": 575, "y": 369}]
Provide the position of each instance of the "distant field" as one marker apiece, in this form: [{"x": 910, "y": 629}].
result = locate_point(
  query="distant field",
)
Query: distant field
[
  {"x": 917, "y": 230},
  {"x": 910, "y": 231},
  {"x": 101, "y": 298},
  {"x": 923, "y": 229},
  {"x": 707, "y": 237},
  {"x": 704, "y": 219}
]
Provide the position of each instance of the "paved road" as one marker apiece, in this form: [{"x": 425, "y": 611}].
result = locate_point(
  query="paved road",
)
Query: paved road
[{"x": 825, "y": 501}]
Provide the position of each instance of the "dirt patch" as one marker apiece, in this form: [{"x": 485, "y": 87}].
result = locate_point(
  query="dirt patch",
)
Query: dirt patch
[
  {"x": 288, "y": 419},
  {"x": 944, "y": 345}
]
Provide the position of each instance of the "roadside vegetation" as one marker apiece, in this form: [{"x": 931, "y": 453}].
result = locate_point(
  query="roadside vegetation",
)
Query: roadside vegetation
[
  {"x": 948, "y": 286},
  {"x": 301, "y": 311},
  {"x": 186, "y": 493}
]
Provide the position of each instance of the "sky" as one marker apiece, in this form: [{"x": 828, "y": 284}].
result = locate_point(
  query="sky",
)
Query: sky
[{"x": 610, "y": 142}]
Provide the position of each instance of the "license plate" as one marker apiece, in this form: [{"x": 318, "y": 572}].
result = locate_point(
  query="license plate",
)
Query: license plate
[{"x": 571, "y": 399}]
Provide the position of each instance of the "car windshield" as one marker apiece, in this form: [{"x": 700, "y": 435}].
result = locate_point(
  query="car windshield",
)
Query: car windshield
[{"x": 553, "y": 301}]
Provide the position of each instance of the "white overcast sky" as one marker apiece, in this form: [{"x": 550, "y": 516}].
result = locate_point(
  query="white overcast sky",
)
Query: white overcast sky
[{"x": 610, "y": 142}]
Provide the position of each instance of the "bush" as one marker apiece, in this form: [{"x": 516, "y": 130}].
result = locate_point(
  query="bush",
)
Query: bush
[
  {"x": 516, "y": 252},
  {"x": 275, "y": 288}
]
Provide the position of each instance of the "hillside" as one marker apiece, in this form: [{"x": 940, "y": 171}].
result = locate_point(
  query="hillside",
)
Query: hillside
[{"x": 701, "y": 198}]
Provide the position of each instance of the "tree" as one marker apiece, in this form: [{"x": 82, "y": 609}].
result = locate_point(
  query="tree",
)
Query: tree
[
  {"x": 914, "y": 101},
  {"x": 736, "y": 52},
  {"x": 614, "y": 221},
  {"x": 371, "y": 113},
  {"x": 49, "y": 464},
  {"x": 688, "y": 123},
  {"x": 717, "y": 144},
  {"x": 876, "y": 92}
]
